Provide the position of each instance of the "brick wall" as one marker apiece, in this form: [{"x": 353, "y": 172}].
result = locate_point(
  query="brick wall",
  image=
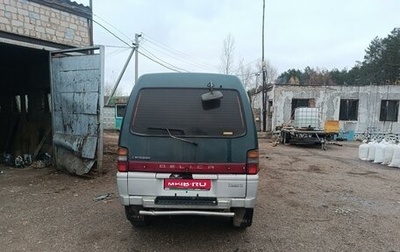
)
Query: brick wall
[{"x": 38, "y": 21}]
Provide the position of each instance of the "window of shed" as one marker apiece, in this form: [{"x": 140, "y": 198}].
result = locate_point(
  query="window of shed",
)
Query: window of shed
[
  {"x": 389, "y": 110},
  {"x": 298, "y": 103},
  {"x": 348, "y": 110},
  {"x": 120, "y": 110}
]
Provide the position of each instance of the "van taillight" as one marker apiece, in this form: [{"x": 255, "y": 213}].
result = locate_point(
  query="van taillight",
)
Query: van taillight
[
  {"x": 122, "y": 159},
  {"x": 252, "y": 162}
]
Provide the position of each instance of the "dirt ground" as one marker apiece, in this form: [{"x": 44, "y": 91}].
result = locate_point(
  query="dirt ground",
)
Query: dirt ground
[{"x": 309, "y": 200}]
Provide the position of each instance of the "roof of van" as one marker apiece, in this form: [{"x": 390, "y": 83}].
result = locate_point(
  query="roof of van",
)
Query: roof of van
[{"x": 189, "y": 80}]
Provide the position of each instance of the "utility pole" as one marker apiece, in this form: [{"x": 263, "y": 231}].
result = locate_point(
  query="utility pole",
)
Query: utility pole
[
  {"x": 120, "y": 76},
  {"x": 135, "y": 48},
  {"x": 264, "y": 98},
  {"x": 137, "y": 36},
  {"x": 90, "y": 24}
]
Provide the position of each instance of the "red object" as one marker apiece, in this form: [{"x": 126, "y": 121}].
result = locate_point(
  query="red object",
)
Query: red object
[
  {"x": 191, "y": 184},
  {"x": 221, "y": 168}
]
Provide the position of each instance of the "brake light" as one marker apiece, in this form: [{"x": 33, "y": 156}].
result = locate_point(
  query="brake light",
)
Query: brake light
[
  {"x": 252, "y": 162},
  {"x": 122, "y": 159}
]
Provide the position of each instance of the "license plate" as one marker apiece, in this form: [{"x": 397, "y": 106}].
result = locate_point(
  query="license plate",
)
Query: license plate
[{"x": 187, "y": 184}]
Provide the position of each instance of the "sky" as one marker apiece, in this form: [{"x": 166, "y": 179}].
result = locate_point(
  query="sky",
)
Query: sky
[{"x": 188, "y": 35}]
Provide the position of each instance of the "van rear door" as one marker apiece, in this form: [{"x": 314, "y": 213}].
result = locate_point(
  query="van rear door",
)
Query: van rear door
[
  {"x": 174, "y": 132},
  {"x": 175, "y": 125}
]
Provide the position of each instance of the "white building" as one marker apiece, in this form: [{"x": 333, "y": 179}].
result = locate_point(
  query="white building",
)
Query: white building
[{"x": 361, "y": 110}]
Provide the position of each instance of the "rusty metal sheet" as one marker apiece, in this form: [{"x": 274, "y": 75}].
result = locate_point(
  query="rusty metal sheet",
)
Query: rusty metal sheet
[
  {"x": 82, "y": 146},
  {"x": 73, "y": 163},
  {"x": 77, "y": 88},
  {"x": 77, "y": 103}
]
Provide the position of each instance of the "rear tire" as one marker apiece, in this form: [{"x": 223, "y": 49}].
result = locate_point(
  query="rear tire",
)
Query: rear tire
[
  {"x": 136, "y": 219},
  {"x": 243, "y": 217}
]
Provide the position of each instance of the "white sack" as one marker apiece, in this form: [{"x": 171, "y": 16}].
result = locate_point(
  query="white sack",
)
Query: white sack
[
  {"x": 379, "y": 151},
  {"x": 396, "y": 156},
  {"x": 388, "y": 154},
  {"x": 371, "y": 150},
  {"x": 363, "y": 151}
]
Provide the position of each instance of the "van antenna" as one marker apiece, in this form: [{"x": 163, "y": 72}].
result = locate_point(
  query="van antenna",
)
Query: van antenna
[{"x": 211, "y": 86}]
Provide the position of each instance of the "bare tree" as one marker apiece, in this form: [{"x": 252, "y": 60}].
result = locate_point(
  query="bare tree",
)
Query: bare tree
[
  {"x": 227, "y": 56},
  {"x": 108, "y": 87},
  {"x": 246, "y": 75},
  {"x": 271, "y": 71}
]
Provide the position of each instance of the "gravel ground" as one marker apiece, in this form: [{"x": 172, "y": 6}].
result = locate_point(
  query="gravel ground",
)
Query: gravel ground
[{"x": 309, "y": 200}]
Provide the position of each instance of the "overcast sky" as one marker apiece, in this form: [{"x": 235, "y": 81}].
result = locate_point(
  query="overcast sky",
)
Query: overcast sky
[{"x": 188, "y": 34}]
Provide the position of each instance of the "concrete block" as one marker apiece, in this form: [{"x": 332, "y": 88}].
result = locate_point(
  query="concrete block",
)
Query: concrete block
[
  {"x": 17, "y": 23},
  {"x": 40, "y": 29},
  {"x": 64, "y": 24},
  {"x": 50, "y": 31},
  {"x": 23, "y": 12},
  {"x": 44, "y": 18},
  {"x": 69, "y": 34},
  {"x": 4, "y": 20},
  {"x": 55, "y": 20},
  {"x": 29, "y": 26},
  {"x": 11, "y": 9},
  {"x": 34, "y": 15},
  {"x": 73, "y": 26}
]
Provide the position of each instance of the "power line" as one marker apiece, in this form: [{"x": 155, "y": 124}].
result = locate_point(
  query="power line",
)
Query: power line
[
  {"x": 112, "y": 33},
  {"x": 170, "y": 51},
  {"x": 190, "y": 62},
  {"x": 197, "y": 61},
  {"x": 171, "y": 67},
  {"x": 102, "y": 19},
  {"x": 155, "y": 61},
  {"x": 164, "y": 62},
  {"x": 117, "y": 51},
  {"x": 166, "y": 50},
  {"x": 186, "y": 56}
]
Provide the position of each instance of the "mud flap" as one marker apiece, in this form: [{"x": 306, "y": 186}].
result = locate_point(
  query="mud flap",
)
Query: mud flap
[
  {"x": 243, "y": 217},
  {"x": 136, "y": 219}
]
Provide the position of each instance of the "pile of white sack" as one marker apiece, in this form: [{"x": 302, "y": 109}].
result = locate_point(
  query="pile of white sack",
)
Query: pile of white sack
[{"x": 383, "y": 152}]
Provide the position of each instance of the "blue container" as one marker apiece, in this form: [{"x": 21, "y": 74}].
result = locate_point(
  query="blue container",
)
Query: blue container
[
  {"x": 350, "y": 135},
  {"x": 118, "y": 122}
]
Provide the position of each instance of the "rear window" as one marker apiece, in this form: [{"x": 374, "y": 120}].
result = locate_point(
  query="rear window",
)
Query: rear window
[{"x": 165, "y": 111}]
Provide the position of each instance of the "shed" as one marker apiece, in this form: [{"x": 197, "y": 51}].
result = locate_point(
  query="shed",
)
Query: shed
[
  {"x": 362, "y": 110},
  {"x": 51, "y": 82}
]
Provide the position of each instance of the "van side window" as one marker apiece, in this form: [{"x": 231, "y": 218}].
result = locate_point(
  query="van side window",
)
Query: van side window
[{"x": 183, "y": 113}]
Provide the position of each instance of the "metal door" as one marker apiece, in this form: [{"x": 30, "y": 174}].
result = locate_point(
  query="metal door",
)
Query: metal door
[{"x": 77, "y": 105}]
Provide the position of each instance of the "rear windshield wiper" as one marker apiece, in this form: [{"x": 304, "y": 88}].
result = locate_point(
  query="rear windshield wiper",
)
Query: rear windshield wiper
[{"x": 172, "y": 136}]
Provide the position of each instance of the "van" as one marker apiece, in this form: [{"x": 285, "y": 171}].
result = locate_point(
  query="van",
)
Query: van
[{"x": 188, "y": 146}]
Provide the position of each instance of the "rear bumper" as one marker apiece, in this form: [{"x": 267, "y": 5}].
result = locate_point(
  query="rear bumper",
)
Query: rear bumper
[
  {"x": 229, "y": 192},
  {"x": 223, "y": 203},
  {"x": 186, "y": 212}
]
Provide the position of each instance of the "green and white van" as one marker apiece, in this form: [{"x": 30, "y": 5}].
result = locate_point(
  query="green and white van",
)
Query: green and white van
[{"x": 188, "y": 146}]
